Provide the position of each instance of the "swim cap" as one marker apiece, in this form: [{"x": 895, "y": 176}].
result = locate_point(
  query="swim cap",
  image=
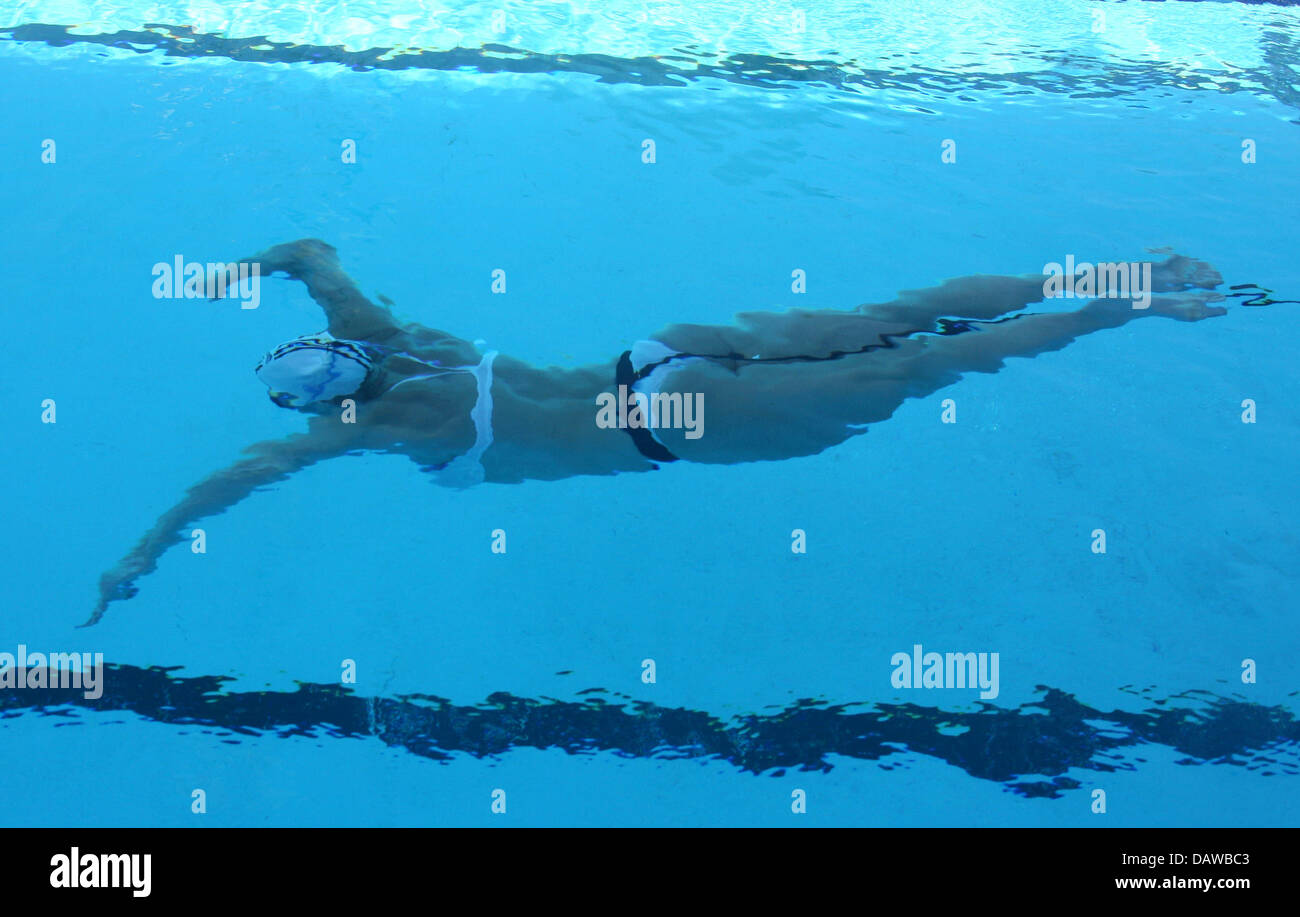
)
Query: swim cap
[{"x": 314, "y": 367}]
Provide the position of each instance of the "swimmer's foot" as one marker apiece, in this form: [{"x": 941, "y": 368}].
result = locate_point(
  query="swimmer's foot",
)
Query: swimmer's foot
[
  {"x": 1188, "y": 307},
  {"x": 1178, "y": 273}
]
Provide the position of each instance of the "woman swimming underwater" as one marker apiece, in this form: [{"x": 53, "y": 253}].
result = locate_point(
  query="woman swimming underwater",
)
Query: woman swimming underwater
[{"x": 776, "y": 385}]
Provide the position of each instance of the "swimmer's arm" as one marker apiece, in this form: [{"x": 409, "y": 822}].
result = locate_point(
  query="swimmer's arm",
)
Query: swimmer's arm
[
  {"x": 267, "y": 463},
  {"x": 351, "y": 316}
]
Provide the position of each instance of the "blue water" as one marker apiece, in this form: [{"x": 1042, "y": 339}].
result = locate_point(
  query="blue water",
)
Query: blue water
[{"x": 968, "y": 536}]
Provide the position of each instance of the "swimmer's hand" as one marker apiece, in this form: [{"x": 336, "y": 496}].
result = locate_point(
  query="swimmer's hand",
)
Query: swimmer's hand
[
  {"x": 266, "y": 463},
  {"x": 292, "y": 258},
  {"x": 350, "y": 315},
  {"x": 116, "y": 585}
]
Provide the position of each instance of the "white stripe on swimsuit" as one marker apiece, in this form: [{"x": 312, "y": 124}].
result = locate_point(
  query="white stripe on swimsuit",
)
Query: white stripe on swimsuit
[{"x": 467, "y": 470}]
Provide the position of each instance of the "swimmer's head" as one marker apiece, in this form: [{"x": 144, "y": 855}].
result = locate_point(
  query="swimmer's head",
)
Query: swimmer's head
[{"x": 314, "y": 368}]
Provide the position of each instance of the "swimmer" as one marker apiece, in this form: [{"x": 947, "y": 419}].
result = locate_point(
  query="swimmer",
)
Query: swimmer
[{"x": 776, "y": 385}]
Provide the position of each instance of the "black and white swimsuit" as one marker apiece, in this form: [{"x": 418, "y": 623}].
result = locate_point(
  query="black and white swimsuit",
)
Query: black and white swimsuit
[{"x": 644, "y": 369}]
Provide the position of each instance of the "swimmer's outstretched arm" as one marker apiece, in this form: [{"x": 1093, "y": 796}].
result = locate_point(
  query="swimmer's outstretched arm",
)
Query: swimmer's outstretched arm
[
  {"x": 316, "y": 263},
  {"x": 351, "y": 315},
  {"x": 267, "y": 463}
]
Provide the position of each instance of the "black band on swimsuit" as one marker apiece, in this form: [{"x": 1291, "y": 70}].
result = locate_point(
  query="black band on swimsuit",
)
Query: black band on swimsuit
[
  {"x": 645, "y": 443},
  {"x": 654, "y": 450}
]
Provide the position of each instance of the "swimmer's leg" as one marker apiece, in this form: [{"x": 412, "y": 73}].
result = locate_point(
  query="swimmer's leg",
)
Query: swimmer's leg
[
  {"x": 268, "y": 462},
  {"x": 989, "y": 296},
  {"x": 769, "y": 412},
  {"x": 316, "y": 263},
  {"x": 943, "y": 359},
  {"x": 817, "y": 333},
  {"x": 821, "y": 332}
]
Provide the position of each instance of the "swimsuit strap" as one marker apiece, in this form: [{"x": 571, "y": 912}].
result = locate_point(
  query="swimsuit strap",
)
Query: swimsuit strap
[
  {"x": 642, "y": 438},
  {"x": 467, "y": 470}
]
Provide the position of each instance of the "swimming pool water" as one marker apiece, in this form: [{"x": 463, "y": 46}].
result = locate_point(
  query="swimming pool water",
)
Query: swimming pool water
[{"x": 211, "y": 131}]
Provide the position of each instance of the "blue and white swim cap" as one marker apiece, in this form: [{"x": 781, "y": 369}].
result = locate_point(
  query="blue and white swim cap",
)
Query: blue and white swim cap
[{"x": 314, "y": 367}]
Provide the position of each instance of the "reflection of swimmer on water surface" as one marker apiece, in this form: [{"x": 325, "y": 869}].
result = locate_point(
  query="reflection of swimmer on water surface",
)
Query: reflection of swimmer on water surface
[{"x": 777, "y": 385}]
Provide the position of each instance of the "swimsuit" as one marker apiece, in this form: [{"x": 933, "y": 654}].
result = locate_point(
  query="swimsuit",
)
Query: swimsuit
[
  {"x": 467, "y": 470},
  {"x": 644, "y": 369}
]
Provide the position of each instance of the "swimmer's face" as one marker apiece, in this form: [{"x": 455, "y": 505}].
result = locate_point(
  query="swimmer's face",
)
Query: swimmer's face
[{"x": 312, "y": 369}]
